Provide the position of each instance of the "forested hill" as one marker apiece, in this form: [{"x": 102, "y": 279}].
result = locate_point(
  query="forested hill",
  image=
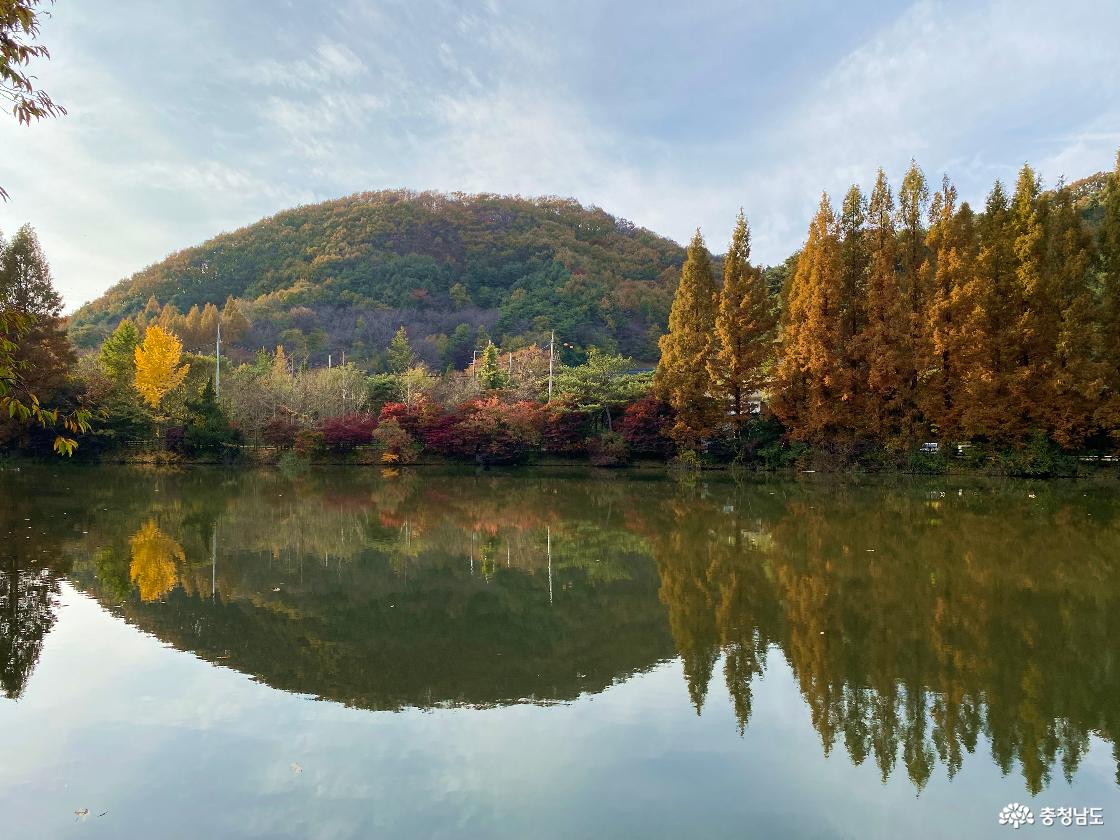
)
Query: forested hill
[{"x": 453, "y": 269}]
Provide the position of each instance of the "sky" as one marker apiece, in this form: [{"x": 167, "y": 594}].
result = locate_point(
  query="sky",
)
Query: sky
[{"x": 187, "y": 119}]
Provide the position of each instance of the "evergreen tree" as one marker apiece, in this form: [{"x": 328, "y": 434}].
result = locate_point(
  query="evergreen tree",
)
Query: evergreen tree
[
  {"x": 207, "y": 429},
  {"x": 490, "y": 373},
  {"x": 26, "y": 284},
  {"x": 36, "y": 357},
  {"x": 815, "y": 389},
  {"x": 744, "y": 322},
  {"x": 687, "y": 349},
  {"x": 400, "y": 356},
  {"x": 118, "y": 354}
]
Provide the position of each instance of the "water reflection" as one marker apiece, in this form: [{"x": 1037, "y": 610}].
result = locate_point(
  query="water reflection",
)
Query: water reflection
[{"x": 917, "y": 619}]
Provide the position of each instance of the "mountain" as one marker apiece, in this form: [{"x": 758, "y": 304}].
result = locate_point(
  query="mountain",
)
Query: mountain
[{"x": 343, "y": 275}]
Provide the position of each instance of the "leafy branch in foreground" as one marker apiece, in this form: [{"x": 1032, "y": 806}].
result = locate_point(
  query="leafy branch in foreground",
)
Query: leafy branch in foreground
[
  {"x": 19, "y": 404},
  {"x": 19, "y": 27}
]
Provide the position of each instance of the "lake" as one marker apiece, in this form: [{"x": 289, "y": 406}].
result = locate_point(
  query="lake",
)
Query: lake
[{"x": 352, "y": 653}]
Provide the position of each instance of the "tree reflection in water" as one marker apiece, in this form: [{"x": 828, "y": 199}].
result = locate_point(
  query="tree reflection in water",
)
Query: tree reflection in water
[{"x": 916, "y": 617}]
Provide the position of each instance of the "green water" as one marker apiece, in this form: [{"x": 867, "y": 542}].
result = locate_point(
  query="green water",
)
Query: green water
[{"x": 540, "y": 654}]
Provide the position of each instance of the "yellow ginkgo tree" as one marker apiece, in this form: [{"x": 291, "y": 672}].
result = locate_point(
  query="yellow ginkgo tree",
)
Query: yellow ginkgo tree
[{"x": 158, "y": 371}]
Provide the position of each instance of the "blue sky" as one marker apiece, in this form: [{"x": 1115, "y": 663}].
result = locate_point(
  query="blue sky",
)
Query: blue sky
[{"x": 190, "y": 118}]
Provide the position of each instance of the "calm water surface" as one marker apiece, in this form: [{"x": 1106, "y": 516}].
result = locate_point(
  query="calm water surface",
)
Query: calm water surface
[{"x": 350, "y": 654}]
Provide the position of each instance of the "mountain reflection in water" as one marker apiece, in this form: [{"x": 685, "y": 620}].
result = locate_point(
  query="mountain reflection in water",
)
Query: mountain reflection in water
[{"x": 915, "y": 616}]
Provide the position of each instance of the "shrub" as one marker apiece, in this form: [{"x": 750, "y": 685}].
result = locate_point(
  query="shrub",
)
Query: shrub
[
  {"x": 281, "y": 432},
  {"x": 309, "y": 442},
  {"x": 608, "y": 449},
  {"x": 564, "y": 430},
  {"x": 174, "y": 437},
  {"x": 1039, "y": 457},
  {"x": 496, "y": 430},
  {"x": 397, "y": 446},
  {"x": 348, "y": 431},
  {"x": 643, "y": 427}
]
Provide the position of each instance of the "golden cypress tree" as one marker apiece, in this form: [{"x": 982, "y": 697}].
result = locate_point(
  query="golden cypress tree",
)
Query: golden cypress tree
[
  {"x": 208, "y": 326},
  {"x": 853, "y": 251},
  {"x": 883, "y": 341},
  {"x": 814, "y": 389},
  {"x": 170, "y": 320},
  {"x": 280, "y": 372},
  {"x": 744, "y": 323},
  {"x": 682, "y": 373},
  {"x": 945, "y": 345},
  {"x": 157, "y": 365},
  {"x": 913, "y": 197},
  {"x": 1076, "y": 375},
  {"x": 1108, "y": 413},
  {"x": 991, "y": 320},
  {"x": 1036, "y": 318},
  {"x": 234, "y": 323},
  {"x": 192, "y": 322}
]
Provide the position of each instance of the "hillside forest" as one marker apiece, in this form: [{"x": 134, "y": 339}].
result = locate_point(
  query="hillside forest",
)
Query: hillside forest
[{"x": 910, "y": 331}]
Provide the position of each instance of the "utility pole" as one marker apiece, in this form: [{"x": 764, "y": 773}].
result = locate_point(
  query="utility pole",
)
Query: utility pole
[
  {"x": 551, "y": 341},
  {"x": 218, "y": 361}
]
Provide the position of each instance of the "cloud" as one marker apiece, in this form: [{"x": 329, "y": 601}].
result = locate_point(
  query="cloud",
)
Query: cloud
[{"x": 219, "y": 116}]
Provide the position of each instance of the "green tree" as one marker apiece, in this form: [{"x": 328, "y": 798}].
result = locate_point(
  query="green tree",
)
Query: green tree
[
  {"x": 744, "y": 323},
  {"x": 35, "y": 354},
  {"x": 687, "y": 349},
  {"x": 207, "y": 429},
  {"x": 601, "y": 383},
  {"x": 401, "y": 356},
  {"x": 118, "y": 354},
  {"x": 460, "y": 299},
  {"x": 490, "y": 373}
]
